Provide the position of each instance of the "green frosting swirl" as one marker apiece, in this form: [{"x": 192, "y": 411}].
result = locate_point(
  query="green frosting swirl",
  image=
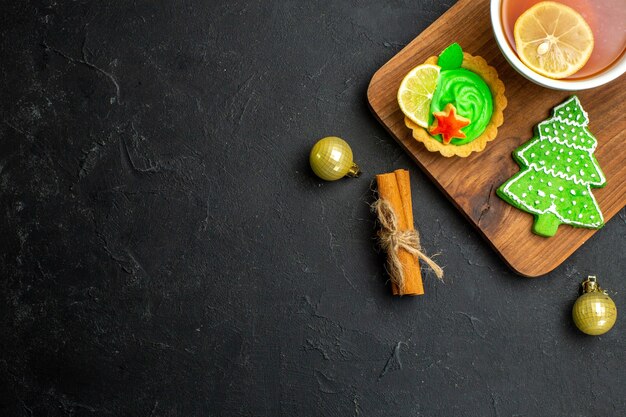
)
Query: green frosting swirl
[{"x": 471, "y": 96}]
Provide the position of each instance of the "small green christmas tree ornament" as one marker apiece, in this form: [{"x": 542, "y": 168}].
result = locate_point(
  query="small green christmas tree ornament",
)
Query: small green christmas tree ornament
[{"x": 557, "y": 172}]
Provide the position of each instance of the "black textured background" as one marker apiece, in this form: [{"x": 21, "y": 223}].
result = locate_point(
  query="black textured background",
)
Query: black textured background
[{"x": 167, "y": 252}]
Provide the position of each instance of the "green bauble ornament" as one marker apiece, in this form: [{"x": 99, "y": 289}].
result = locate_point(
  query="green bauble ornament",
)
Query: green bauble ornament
[
  {"x": 331, "y": 159},
  {"x": 594, "y": 312}
]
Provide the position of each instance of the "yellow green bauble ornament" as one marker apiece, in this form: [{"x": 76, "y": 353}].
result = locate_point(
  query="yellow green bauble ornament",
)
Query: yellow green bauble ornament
[
  {"x": 331, "y": 159},
  {"x": 594, "y": 312}
]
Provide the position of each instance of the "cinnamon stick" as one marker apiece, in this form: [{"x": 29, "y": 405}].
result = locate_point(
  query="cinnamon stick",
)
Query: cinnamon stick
[{"x": 395, "y": 188}]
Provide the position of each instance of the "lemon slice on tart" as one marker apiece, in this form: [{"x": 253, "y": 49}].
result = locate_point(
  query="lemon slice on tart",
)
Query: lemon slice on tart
[
  {"x": 553, "y": 40},
  {"x": 416, "y": 92}
]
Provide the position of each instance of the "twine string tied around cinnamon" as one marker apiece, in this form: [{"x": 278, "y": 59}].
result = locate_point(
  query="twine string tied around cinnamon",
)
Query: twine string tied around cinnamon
[{"x": 392, "y": 239}]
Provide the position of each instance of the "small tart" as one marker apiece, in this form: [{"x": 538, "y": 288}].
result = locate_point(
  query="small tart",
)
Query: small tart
[{"x": 479, "y": 66}]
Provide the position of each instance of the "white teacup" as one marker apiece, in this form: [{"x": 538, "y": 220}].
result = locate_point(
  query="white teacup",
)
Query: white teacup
[{"x": 607, "y": 75}]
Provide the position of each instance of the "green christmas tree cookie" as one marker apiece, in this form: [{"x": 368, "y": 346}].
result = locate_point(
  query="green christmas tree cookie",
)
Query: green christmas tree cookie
[{"x": 558, "y": 170}]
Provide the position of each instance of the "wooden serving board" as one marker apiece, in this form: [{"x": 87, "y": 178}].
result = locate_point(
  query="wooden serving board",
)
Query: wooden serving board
[{"x": 471, "y": 182}]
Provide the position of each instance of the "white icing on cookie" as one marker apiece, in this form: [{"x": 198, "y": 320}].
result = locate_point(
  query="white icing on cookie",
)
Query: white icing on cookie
[{"x": 566, "y": 129}]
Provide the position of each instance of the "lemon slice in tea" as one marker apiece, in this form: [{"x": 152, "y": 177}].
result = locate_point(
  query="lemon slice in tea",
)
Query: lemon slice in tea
[
  {"x": 416, "y": 92},
  {"x": 553, "y": 39}
]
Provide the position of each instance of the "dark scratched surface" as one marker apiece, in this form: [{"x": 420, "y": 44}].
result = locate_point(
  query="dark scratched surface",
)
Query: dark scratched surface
[{"x": 166, "y": 251}]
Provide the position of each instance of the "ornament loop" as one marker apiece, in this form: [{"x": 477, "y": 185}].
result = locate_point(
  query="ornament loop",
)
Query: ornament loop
[
  {"x": 354, "y": 171},
  {"x": 590, "y": 284}
]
